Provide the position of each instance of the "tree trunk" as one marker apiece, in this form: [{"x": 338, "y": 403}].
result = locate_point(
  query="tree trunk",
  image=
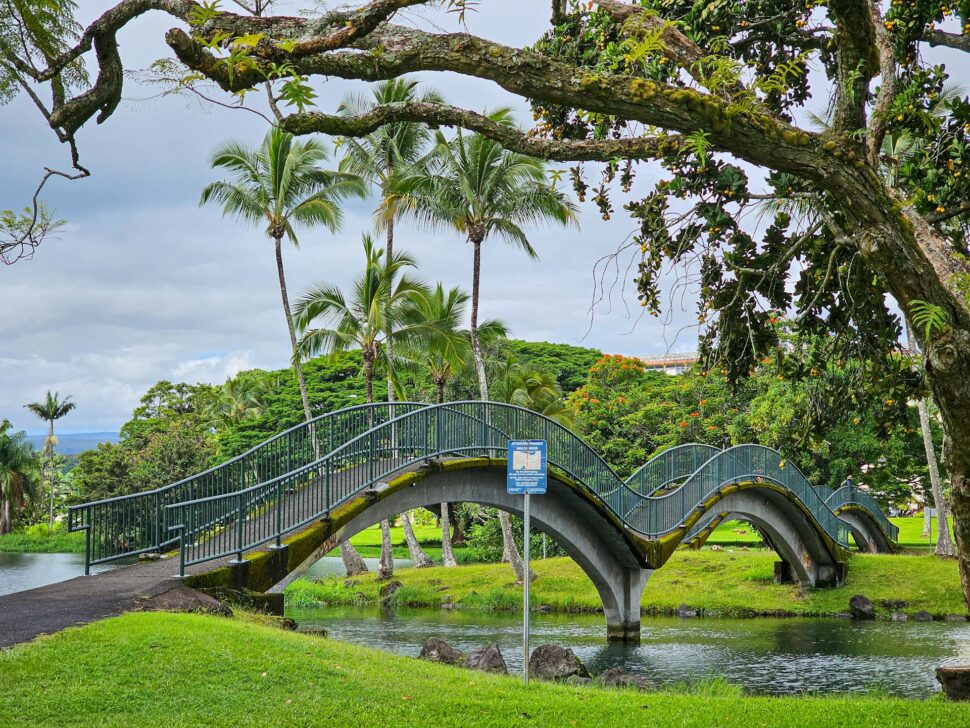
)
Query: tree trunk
[
  {"x": 385, "y": 569},
  {"x": 944, "y": 544},
  {"x": 391, "y": 394},
  {"x": 419, "y": 559},
  {"x": 50, "y": 468},
  {"x": 297, "y": 364},
  {"x": 368, "y": 375},
  {"x": 510, "y": 552},
  {"x": 515, "y": 560},
  {"x": 447, "y": 553},
  {"x": 439, "y": 384},
  {"x": 353, "y": 564},
  {"x": 5, "y": 518},
  {"x": 476, "y": 348}
]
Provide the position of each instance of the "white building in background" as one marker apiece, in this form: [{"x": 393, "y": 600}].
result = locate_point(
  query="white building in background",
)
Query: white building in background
[{"x": 670, "y": 363}]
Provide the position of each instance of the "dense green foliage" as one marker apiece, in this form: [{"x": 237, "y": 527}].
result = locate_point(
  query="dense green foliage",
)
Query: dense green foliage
[
  {"x": 193, "y": 670},
  {"x": 628, "y": 414}
]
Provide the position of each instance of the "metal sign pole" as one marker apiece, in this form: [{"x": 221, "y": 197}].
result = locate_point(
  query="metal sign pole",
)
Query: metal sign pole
[{"x": 525, "y": 593}]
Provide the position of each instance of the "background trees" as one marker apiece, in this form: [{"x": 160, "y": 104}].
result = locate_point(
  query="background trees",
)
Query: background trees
[
  {"x": 50, "y": 410},
  {"x": 19, "y": 475}
]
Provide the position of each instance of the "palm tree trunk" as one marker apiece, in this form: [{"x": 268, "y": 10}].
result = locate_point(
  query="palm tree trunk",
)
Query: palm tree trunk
[
  {"x": 385, "y": 569},
  {"x": 391, "y": 394},
  {"x": 50, "y": 469},
  {"x": 944, "y": 544},
  {"x": 297, "y": 364},
  {"x": 510, "y": 552},
  {"x": 476, "y": 348},
  {"x": 5, "y": 518},
  {"x": 353, "y": 563},
  {"x": 447, "y": 553},
  {"x": 419, "y": 559},
  {"x": 440, "y": 387}
]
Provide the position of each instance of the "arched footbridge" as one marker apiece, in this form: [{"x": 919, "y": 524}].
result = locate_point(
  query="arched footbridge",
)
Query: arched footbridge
[{"x": 261, "y": 518}]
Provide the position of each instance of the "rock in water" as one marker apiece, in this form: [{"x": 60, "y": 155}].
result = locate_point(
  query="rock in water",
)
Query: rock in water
[
  {"x": 487, "y": 659},
  {"x": 618, "y": 678},
  {"x": 955, "y": 681},
  {"x": 390, "y": 587},
  {"x": 861, "y": 607},
  {"x": 552, "y": 662},
  {"x": 436, "y": 649},
  {"x": 923, "y": 616},
  {"x": 899, "y": 617},
  {"x": 685, "y": 612}
]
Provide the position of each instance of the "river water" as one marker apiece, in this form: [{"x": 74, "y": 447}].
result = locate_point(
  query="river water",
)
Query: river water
[
  {"x": 27, "y": 571},
  {"x": 774, "y": 656},
  {"x": 767, "y": 656}
]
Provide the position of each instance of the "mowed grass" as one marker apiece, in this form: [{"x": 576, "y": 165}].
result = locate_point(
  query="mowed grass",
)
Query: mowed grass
[
  {"x": 368, "y": 543},
  {"x": 148, "y": 669},
  {"x": 910, "y": 533},
  {"x": 730, "y": 582}
]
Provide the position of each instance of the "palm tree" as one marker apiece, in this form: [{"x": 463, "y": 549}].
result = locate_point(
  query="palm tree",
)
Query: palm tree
[
  {"x": 382, "y": 155},
  {"x": 473, "y": 185},
  {"x": 281, "y": 184},
  {"x": 381, "y": 301},
  {"x": 18, "y": 475},
  {"x": 533, "y": 389},
  {"x": 443, "y": 355},
  {"x": 238, "y": 399},
  {"x": 51, "y": 410}
]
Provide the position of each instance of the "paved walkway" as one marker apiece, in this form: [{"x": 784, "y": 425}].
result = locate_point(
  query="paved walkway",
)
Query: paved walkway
[{"x": 48, "y": 609}]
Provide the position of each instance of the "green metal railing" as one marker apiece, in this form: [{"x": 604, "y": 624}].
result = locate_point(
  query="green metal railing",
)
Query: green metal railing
[
  {"x": 133, "y": 524},
  {"x": 852, "y": 495},
  {"x": 670, "y": 467},
  {"x": 229, "y": 524}
]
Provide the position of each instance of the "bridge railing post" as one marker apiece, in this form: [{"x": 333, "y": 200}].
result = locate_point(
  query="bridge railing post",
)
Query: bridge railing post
[
  {"x": 239, "y": 528},
  {"x": 279, "y": 514}
]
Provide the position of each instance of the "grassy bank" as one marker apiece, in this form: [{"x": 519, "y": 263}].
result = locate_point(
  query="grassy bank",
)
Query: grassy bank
[
  {"x": 737, "y": 533},
  {"x": 732, "y": 582},
  {"x": 25, "y": 543},
  {"x": 176, "y": 669},
  {"x": 368, "y": 544}
]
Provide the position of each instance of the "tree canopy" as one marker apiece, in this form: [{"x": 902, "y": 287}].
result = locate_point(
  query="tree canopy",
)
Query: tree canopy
[{"x": 718, "y": 94}]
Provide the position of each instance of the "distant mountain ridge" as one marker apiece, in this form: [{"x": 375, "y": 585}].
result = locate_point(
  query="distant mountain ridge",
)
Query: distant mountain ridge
[{"x": 74, "y": 443}]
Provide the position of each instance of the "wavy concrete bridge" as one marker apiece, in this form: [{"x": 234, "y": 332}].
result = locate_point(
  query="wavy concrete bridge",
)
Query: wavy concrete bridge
[{"x": 260, "y": 519}]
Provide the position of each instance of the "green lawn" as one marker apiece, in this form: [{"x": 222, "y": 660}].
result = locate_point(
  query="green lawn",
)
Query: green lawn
[
  {"x": 910, "y": 530},
  {"x": 22, "y": 543},
  {"x": 147, "y": 669},
  {"x": 732, "y": 582},
  {"x": 368, "y": 543}
]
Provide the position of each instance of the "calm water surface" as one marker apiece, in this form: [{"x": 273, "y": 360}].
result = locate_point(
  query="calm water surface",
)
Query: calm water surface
[
  {"x": 780, "y": 656},
  {"x": 27, "y": 571}
]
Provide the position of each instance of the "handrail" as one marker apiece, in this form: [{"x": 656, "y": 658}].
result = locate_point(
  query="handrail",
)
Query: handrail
[
  {"x": 224, "y": 524},
  {"x": 670, "y": 466},
  {"x": 853, "y": 495},
  {"x": 134, "y": 523}
]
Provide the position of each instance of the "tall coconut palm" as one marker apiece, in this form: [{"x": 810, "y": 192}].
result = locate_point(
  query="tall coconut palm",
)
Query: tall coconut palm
[
  {"x": 281, "y": 183},
  {"x": 329, "y": 321},
  {"x": 384, "y": 154},
  {"x": 18, "y": 475},
  {"x": 50, "y": 410},
  {"x": 443, "y": 355},
  {"x": 473, "y": 185}
]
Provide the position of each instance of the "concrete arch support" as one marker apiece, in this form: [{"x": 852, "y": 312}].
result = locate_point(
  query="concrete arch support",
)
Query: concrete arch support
[
  {"x": 790, "y": 532},
  {"x": 597, "y": 545}
]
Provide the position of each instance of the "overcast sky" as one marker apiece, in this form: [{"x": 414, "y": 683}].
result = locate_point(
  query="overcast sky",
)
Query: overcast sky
[{"x": 143, "y": 284}]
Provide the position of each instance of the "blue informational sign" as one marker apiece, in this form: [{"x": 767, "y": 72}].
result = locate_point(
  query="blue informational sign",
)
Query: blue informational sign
[{"x": 527, "y": 467}]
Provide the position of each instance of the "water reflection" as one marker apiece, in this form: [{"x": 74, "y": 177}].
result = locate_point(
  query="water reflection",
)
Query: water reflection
[
  {"x": 28, "y": 571},
  {"x": 780, "y": 656}
]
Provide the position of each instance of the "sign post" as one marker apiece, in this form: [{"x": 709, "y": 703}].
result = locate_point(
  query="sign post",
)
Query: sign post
[{"x": 526, "y": 472}]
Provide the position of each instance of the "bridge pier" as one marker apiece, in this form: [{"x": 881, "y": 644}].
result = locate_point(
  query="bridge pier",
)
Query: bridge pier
[{"x": 623, "y": 613}]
